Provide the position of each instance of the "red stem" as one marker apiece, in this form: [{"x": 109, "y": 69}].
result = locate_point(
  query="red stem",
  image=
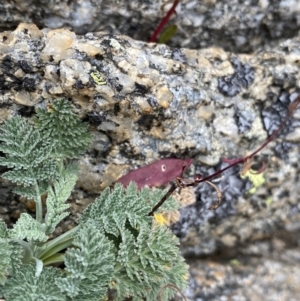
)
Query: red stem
[
  {"x": 292, "y": 108},
  {"x": 163, "y": 22},
  {"x": 233, "y": 162}
]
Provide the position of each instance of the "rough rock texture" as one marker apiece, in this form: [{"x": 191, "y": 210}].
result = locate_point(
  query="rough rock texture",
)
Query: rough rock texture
[
  {"x": 238, "y": 26},
  {"x": 145, "y": 102},
  {"x": 244, "y": 278}
]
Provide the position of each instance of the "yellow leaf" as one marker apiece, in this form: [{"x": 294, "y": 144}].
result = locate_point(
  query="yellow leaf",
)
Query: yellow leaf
[
  {"x": 160, "y": 219},
  {"x": 257, "y": 180}
]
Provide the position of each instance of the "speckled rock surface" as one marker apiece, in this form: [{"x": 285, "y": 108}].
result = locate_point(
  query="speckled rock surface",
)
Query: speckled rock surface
[
  {"x": 242, "y": 279},
  {"x": 237, "y": 26},
  {"x": 145, "y": 102}
]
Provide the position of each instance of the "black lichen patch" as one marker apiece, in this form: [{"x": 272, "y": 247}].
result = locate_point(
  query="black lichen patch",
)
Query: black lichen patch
[
  {"x": 129, "y": 151},
  {"x": 95, "y": 118},
  {"x": 140, "y": 89},
  {"x": 25, "y": 66},
  {"x": 195, "y": 215},
  {"x": 8, "y": 82},
  {"x": 243, "y": 77},
  {"x": 117, "y": 108},
  {"x": 29, "y": 84},
  {"x": 272, "y": 118},
  {"x": 48, "y": 86},
  {"x": 7, "y": 64},
  {"x": 105, "y": 43},
  {"x": 99, "y": 57},
  {"x": 146, "y": 121},
  {"x": 26, "y": 111},
  {"x": 79, "y": 85}
]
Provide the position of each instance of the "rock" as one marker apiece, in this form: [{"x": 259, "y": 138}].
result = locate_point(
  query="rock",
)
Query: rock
[
  {"x": 145, "y": 102},
  {"x": 140, "y": 101},
  {"x": 235, "y": 26}
]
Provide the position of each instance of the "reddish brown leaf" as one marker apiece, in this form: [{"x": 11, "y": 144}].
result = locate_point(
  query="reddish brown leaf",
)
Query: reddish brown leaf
[{"x": 156, "y": 174}]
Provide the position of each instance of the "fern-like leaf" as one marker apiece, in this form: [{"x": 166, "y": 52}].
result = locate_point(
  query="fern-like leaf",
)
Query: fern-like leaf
[
  {"x": 147, "y": 254},
  {"x": 28, "y": 228},
  {"x": 148, "y": 263},
  {"x": 5, "y": 261},
  {"x": 28, "y": 192},
  {"x": 10, "y": 259},
  {"x": 61, "y": 125},
  {"x": 90, "y": 265},
  {"x": 113, "y": 210},
  {"x": 57, "y": 197},
  {"x": 25, "y": 285},
  {"x": 27, "y": 152}
]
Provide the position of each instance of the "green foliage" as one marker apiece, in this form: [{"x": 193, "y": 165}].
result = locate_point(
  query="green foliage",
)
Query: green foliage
[
  {"x": 147, "y": 256},
  {"x": 112, "y": 210},
  {"x": 167, "y": 34},
  {"x": 11, "y": 254},
  {"x": 3, "y": 229},
  {"x": 61, "y": 125},
  {"x": 25, "y": 285},
  {"x": 27, "y": 227},
  {"x": 58, "y": 195},
  {"x": 5, "y": 253},
  {"x": 116, "y": 245},
  {"x": 27, "y": 152},
  {"x": 146, "y": 263},
  {"x": 90, "y": 265}
]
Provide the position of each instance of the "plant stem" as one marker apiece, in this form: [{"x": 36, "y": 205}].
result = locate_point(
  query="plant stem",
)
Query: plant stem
[
  {"x": 163, "y": 22},
  {"x": 234, "y": 162},
  {"x": 56, "y": 245},
  {"x": 55, "y": 258}
]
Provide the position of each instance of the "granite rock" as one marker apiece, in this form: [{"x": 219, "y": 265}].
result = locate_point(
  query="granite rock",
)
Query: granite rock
[
  {"x": 235, "y": 26},
  {"x": 146, "y": 101}
]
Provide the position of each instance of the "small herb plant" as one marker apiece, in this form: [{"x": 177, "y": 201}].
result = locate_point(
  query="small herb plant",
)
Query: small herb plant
[{"x": 116, "y": 248}]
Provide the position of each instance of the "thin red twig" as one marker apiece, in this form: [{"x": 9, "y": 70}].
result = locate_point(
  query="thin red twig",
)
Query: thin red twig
[
  {"x": 163, "y": 22},
  {"x": 232, "y": 162}
]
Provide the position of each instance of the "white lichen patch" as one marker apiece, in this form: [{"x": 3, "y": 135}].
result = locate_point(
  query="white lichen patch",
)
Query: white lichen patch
[
  {"x": 256, "y": 131},
  {"x": 51, "y": 73},
  {"x": 56, "y": 90}
]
